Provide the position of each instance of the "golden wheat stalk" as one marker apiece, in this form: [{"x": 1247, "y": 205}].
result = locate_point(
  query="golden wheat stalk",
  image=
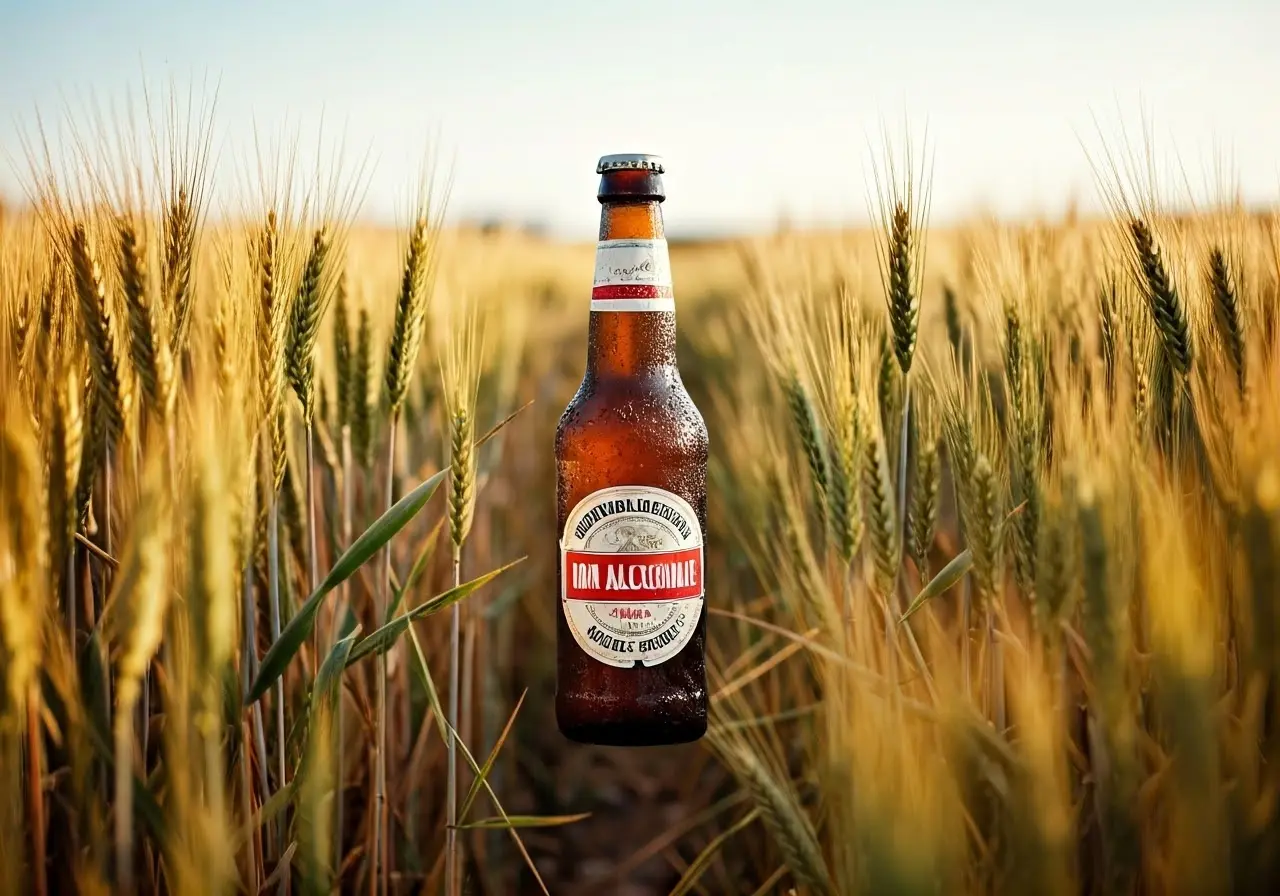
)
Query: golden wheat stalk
[
  {"x": 135, "y": 618},
  {"x": 271, "y": 332},
  {"x": 23, "y": 573},
  {"x": 416, "y": 288},
  {"x": 65, "y": 440},
  {"x": 460, "y": 378}
]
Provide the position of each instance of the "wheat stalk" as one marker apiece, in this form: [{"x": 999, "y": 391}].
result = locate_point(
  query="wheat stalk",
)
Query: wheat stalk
[
  {"x": 402, "y": 352},
  {"x": 344, "y": 378},
  {"x": 135, "y": 615},
  {"x": 460, "y": 373},
  {"x": 26, "y": 551},
  {"x": 23, "y": 560},
  {"x": 271, "y": 334},
  {"x": 903, "y": 207},
  {"x": 65, "y": 444}
]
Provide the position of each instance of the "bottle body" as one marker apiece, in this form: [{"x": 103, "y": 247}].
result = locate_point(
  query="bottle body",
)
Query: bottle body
[{"x": 631, "y": 460}]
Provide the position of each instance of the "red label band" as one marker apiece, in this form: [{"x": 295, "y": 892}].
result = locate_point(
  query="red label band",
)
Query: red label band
[
  {"x": 633, "y": 578},
  {"x": 631, "y": 291}
]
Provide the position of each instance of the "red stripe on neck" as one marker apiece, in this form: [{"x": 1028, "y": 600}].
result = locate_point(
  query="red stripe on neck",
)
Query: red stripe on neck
[{"x": 631, "y": 291}]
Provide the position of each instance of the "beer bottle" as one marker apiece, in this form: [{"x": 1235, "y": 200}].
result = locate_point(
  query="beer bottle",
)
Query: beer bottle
[{"x": 631, "y": 464}]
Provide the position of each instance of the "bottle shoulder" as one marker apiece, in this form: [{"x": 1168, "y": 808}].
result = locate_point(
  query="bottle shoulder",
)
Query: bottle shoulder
[{"x": 655, "y": 409}]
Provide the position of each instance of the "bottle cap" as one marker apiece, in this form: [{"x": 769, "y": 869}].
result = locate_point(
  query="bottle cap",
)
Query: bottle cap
[{"x": 635, "y": 160}]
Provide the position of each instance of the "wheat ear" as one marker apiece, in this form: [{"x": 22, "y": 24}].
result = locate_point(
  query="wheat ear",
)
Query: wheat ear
[
  {"x": 788, "y": 826},
  {"x": 878, "y": 506},
  {"x": 179, "y": 252},
  {"x": 809, "y": 431},
  {"x": 922, "y": 514},
  {"x": 112, "y": 394},
  {"x": 1227, "y": 314},
  {"x": 308, "y": 310},
  {"x": 1163, "y": 299},
  {"x": 1107, "y": 324},
  {"x": 361, "y": 409},
  {"x": 148, "y": 348}
]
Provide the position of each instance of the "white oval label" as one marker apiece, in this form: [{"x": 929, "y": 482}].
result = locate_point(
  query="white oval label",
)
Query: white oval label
[{"x": 631, "y": 572}]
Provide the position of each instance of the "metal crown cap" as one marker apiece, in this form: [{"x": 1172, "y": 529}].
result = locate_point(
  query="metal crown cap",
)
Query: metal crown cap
[{"x": 637, "y": 160}]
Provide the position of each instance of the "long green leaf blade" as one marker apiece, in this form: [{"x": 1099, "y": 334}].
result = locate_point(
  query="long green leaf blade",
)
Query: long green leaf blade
[
  {"x": 498, "y": 823},
  {"x": 382, "y": 639},
  {"x": 946, "y": 577},
  {"x": 373, "y": 539},
  {"x": 329, "y": 678}
]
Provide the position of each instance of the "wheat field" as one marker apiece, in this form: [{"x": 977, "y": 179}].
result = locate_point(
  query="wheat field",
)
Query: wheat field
[{"x": 993, "y": 563}]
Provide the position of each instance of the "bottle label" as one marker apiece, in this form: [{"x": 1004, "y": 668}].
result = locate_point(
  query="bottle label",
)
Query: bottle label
[
  {"x": 631, "y": 564},
  {"x": 632, "y": 275}
]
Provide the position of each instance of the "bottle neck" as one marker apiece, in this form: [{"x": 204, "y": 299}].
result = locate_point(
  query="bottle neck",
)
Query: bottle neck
[{"x": 632, "y": 329}]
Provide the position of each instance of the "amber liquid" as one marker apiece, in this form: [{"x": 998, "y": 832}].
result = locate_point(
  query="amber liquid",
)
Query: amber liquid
[{"x": 631, "y": 423}]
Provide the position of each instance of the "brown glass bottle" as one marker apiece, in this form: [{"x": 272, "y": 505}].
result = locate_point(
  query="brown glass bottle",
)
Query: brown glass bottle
[{"x": 631, "y": 461}]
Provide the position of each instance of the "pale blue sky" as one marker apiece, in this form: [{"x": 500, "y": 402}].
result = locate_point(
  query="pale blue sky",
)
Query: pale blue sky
[{"x": 757, "y": 107}]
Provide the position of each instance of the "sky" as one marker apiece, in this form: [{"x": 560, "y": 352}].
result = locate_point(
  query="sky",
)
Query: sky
[{"x": 761, "y": 110}]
